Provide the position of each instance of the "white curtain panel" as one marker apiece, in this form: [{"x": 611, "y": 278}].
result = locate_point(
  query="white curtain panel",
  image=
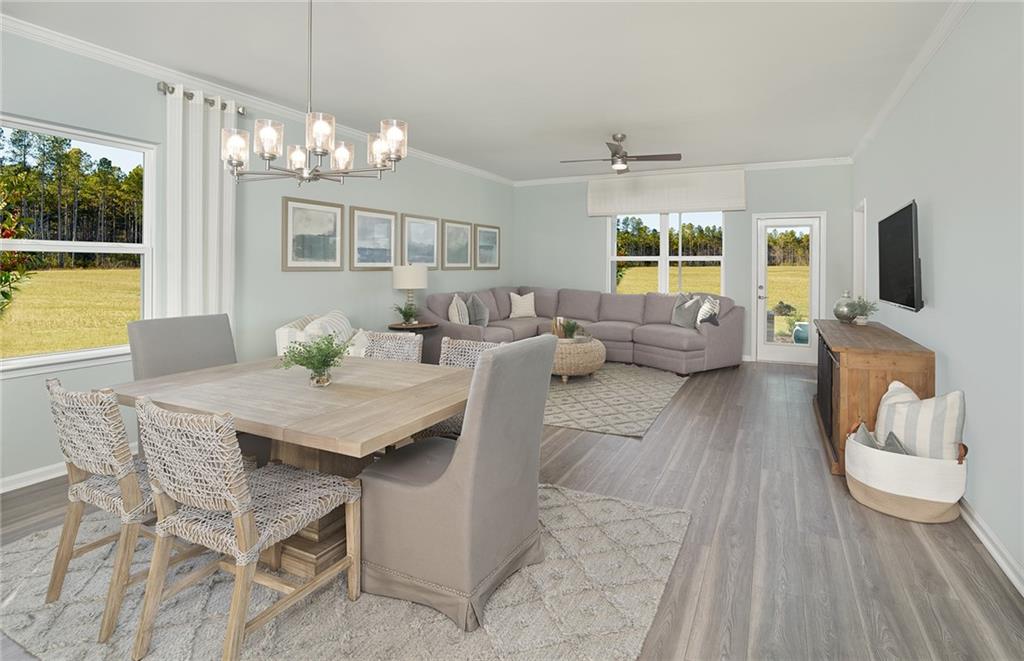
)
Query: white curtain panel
[
  {"x": 720, "y": 190},
  {"x": 200, "y": 219}
]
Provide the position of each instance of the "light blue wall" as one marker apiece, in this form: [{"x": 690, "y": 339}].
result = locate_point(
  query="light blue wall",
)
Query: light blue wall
[{"x": 954, "y": 144}]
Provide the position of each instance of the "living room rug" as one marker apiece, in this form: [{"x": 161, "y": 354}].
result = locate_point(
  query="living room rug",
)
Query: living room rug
[
  {"x": 594, "y": 597},
  {"x": 618, "y": 399}
]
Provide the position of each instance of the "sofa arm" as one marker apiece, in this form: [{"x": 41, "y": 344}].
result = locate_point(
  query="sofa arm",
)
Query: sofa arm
[
  {"x": 724, "y": 341},
  {"x": 445, "y": 328}
]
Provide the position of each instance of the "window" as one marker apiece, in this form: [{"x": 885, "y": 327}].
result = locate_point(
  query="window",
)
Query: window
[
  {"x": 668, "y": 252},
  {"x": 76, "y": 260}
]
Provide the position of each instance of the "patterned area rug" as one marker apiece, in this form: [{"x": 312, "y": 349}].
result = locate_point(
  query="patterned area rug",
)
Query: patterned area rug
[
  {"x": 594, "y": 597},
  {"x": 618, "y": 399}
]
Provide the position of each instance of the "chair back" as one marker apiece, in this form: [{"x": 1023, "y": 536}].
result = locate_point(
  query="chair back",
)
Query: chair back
[
  {"x": 179, "y": 344},
  {"x": 194, "y": 458},
  {"x": 462, "y": 353},
  {"x": 402, "y": 347},
  {"x": 90, "y": 430}
]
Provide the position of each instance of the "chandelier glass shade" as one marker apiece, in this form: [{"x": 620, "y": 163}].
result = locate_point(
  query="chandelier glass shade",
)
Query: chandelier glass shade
[{"x": 322, "y": 156}]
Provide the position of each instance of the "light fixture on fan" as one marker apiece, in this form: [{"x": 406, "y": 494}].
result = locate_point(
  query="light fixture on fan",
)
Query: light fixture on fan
[{"x": 306, "y": 162}]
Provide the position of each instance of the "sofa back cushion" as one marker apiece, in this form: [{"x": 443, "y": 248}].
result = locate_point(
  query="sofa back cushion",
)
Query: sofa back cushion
[
  {"x": 545, "y": 300},
  {"x": 502, "y": 301},
  {"x": 438, "y": 303},
  {"x": 579, "y": 304},
  {"x": 658, "y": 307},
  {"x": 622, "y": 307}
]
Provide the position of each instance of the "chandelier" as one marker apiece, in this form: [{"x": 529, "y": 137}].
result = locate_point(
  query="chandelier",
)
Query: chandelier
[{"x": 321, "y": 157}]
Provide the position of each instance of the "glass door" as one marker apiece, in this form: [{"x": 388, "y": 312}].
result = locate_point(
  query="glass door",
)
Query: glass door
[{"x": 787, "y": 287}]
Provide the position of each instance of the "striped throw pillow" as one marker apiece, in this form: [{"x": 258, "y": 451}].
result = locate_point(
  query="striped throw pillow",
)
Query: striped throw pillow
[
  {"x": 709, "y": 310},
  {"x": 925, "y": 427},
  {"x": 458, "y": 312}
]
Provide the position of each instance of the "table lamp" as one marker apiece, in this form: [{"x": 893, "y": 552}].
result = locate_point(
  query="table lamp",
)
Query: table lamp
[{"x": 409, "y": 277}]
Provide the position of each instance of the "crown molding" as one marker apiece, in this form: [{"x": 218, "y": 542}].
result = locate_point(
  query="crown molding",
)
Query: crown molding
[
  {"x": 746, "y": 167},
  {"x": 949, "y": 21},
  {"x": 40, "y": 34}
]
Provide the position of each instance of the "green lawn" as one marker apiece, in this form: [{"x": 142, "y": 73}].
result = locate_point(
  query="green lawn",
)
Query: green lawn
[{"x": 67, "y": 309}]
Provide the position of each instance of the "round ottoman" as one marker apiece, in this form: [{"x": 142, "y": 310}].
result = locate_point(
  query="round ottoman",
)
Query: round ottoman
[{"x": 574, "y": 358}]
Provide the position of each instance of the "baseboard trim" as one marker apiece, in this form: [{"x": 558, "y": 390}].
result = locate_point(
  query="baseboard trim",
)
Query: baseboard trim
[
  {"x": 747, "y": 358},
  {"x": 1013, "y": 569},
  {"x": 30, "y": 477}
]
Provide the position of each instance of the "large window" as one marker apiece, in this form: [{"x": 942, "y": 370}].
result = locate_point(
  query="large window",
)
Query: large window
[
  {"x": 667, "y": 252},
  {"x": 75, "y": 249}
]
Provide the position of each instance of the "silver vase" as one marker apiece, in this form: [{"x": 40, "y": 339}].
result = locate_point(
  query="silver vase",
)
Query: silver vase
[{"x": 843, "y": 309}]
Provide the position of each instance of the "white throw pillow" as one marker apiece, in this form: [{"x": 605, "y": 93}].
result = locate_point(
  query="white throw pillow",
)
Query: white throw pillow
[
  {"x": 333, "y": 323},
  {"x": 522, "y": 306},
  {"x": 458, "y": 312},
  {"x": 709, "y": 310},
  {"x": 359, "y": 343},
  {"x": 925, "y": 427}
]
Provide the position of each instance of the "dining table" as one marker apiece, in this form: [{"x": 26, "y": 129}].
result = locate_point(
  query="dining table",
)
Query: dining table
[{"x": 369, "y": 406}]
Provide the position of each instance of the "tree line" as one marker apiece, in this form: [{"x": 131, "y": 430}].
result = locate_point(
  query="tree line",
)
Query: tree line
[{"x": 59, "y": 192}]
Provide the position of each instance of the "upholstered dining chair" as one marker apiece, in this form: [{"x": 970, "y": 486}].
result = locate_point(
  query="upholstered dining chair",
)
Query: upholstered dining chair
[
  {"x": 403, "y": 347},
  {"x": 203, "y": 495},
  {"x": 180, "y": 344},
  {"x": 468, "y": 510},
  {"x": 455, "y": 353}
]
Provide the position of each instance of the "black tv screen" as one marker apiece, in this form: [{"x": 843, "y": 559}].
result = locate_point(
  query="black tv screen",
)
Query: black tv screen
[{"x": 899, "y": 264}]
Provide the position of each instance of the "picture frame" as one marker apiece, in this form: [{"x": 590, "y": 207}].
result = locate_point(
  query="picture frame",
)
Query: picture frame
[
  {"x": 421, "y": 238},
  {"x": 373, "y": 239},
  {"x": 311, "y": 235},
  {"x": 487, "y": 247},
  {"x": 457, "y": 245}
]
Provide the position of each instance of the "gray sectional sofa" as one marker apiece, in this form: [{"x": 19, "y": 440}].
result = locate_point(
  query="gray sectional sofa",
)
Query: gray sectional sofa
[{"x": 635, "y": 328}]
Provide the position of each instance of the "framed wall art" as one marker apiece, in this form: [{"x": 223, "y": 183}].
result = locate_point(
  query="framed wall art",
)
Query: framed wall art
[
  {"x": 373, "y": 239},
  {"x": 311, "y": 235}
]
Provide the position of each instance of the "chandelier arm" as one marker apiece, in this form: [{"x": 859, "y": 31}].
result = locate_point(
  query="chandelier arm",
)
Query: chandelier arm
[{"x": 260, "y": 176}]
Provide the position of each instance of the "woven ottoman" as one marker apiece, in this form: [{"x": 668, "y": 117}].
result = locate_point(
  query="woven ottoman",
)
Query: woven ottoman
[{"x": 574, "y": 358}]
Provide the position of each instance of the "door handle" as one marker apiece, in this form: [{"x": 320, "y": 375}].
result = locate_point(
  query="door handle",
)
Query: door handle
[{"x": 762, "y": 297}]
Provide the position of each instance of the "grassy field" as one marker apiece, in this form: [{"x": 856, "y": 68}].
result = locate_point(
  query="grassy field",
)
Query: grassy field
[
  {"x": 62, "y": 310},
  {"x": 786, "y": 283}
]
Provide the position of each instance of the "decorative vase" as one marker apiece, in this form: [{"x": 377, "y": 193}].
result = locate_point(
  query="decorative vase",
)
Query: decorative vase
[
  {"x": 843, "y": 309},
  {"x": 861, "y": 320},
  {"x": 320, "y": 380}
]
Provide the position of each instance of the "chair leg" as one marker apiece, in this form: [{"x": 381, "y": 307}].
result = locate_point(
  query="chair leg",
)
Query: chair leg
[
  {"x": 154, "y": 594},
  {"x": 66, "y": 547},
  {"x": 119, "y": 578},
  {"x": 354, "y": 546},
  {"x": 239, "y": 609}
]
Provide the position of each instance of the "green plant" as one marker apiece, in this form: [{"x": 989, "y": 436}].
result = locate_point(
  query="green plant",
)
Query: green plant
[
  {"x": 863, "y": 307},
  {"x": 318, "y": 356},
  {"x": 783, "y": 309},
  {"x": 569, "y": 328},
  {"x": 791, "y": 324},
  {"x": 408, "y": 312},
  {"x": 620, "y": 271},
  {"x": 14, "y": 266}
]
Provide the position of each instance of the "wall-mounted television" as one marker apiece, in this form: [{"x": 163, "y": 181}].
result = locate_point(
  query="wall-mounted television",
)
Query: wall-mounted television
[{"x": 899, "y": 260}]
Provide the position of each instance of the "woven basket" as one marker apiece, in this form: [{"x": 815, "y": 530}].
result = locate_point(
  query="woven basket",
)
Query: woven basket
[{"x": 576, "y": 359}]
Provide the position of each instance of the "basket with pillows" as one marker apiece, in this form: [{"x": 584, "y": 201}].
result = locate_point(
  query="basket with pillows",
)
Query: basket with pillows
[{"x": 912, "y": 466}]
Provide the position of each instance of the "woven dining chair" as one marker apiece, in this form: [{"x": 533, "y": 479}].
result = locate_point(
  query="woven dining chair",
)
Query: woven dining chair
[
  {"x": 101, "y": 472},
  {"x": 402, "y": 347},
  {"x": 455, "y": 353},
  {"x": 203, "y": 495}
]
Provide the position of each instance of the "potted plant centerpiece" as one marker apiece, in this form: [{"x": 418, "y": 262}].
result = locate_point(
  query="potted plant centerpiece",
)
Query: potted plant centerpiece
[
  {"x": 408, "y": 312},
  {"x": 318, "y": 356},
  {"x": 862, "y": 309}
]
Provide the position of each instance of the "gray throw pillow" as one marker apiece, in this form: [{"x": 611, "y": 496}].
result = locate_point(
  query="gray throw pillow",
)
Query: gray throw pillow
[
  {"x": 891, "y": 444},
  {"x": 479, "y": 315},
  {"x": 684, "y": 312}
]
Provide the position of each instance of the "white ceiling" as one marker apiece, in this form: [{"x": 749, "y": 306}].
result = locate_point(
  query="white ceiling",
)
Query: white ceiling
[{"x": 513, "y": 87}]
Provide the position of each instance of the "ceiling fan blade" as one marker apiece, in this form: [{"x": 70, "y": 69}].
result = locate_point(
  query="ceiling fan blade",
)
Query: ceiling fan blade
[
  {"x": 588, "y": 160},
  {"x": 656, "y": 157},
  {"x": 615, "y": 148}
]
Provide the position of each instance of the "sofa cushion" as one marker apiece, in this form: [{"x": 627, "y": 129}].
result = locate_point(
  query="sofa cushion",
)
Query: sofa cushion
[
  {"x": 486, "y": 297},
  {"x": 502, "y": 301},
  {"x": 578, "y": 304},
  {"x": 658, "y": 308},
  {"x": 617, "y": 331},
  {"x": 668, "y": 336},
  {"x": 438, "y": 303},
  {"x": 497, "y": 334},
  {"x": 543, "y": 325},
  {"x": 545, "y": 300},
  {"x": 521, "y": 327},
  {"x": 622, "y": 307}
]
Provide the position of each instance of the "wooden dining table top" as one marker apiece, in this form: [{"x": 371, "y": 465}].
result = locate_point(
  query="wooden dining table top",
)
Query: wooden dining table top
[{"x": 369, "y": 405}]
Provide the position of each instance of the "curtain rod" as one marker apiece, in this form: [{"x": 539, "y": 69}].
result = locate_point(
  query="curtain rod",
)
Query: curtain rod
[{"x": 167, "y": 88}]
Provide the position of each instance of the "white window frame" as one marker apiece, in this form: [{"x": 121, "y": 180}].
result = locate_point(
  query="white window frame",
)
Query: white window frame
[
  {"x": 52, "y": 362},
  {"x": 664, "y": 260}
]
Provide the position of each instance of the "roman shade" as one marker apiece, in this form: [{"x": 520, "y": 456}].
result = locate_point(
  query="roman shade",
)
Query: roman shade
[{"x": 722, "y": 190}]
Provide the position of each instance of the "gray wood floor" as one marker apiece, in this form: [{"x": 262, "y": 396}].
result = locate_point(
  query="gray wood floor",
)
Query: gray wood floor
[{"x": 779, "y": 561}]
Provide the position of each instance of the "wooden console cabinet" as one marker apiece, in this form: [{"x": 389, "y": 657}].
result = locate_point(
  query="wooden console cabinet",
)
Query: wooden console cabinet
[{"x": 856, "y": 364}]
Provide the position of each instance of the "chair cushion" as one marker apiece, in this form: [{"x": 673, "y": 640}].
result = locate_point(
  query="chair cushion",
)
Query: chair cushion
[
  {"x": 668, "y": 336},
  {"x": 578, "y": 304},
  {"x": 622, "y": 307},
  {"x": 617, "y": 331},
  {"x": 545, "y": 300},
  {"x": 420, "y": 463},
  {"x": 497, "y": 334},
  {"x": 501, "y": 298},
  {"x": 104, "y": 492},
  {"x": 521, "y": 327}
]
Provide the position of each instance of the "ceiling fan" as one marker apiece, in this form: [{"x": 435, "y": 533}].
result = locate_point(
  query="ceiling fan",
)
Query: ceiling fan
[{"x": 620, "y": 158}]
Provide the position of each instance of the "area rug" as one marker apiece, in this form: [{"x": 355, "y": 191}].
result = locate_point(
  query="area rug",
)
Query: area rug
[
  {"x": 594, "y": 597},
  {"x": 618, "y": 399}
]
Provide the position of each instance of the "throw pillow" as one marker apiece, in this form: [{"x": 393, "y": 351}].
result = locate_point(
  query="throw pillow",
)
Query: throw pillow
[
  {"x": 709, "y": 309},
  {"x": 458, "y": 313},
  {"x": 333, "y": 323},
  {"x": 897, "y": 393},
  {"x": 929, "y": 427},
  {"x": 522, "y": 306},
  {"x": 684, "y": 312},
  {"x": 359, "y": 343},
  {"x": 479, "y": 315},
  {"x": 891, "y": 444}
]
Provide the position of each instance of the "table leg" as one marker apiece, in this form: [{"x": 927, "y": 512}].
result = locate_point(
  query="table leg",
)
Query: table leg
[{"x": 322, "y": 543}]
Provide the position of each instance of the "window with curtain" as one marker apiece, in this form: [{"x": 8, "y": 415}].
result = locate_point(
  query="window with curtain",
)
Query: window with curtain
[
  {"x": 666, "y": 252},
  {"x": 74, "y": 245}
]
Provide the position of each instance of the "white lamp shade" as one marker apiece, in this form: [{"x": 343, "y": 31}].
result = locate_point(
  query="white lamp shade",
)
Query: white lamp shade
[{"x": 411, "y": 276}]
